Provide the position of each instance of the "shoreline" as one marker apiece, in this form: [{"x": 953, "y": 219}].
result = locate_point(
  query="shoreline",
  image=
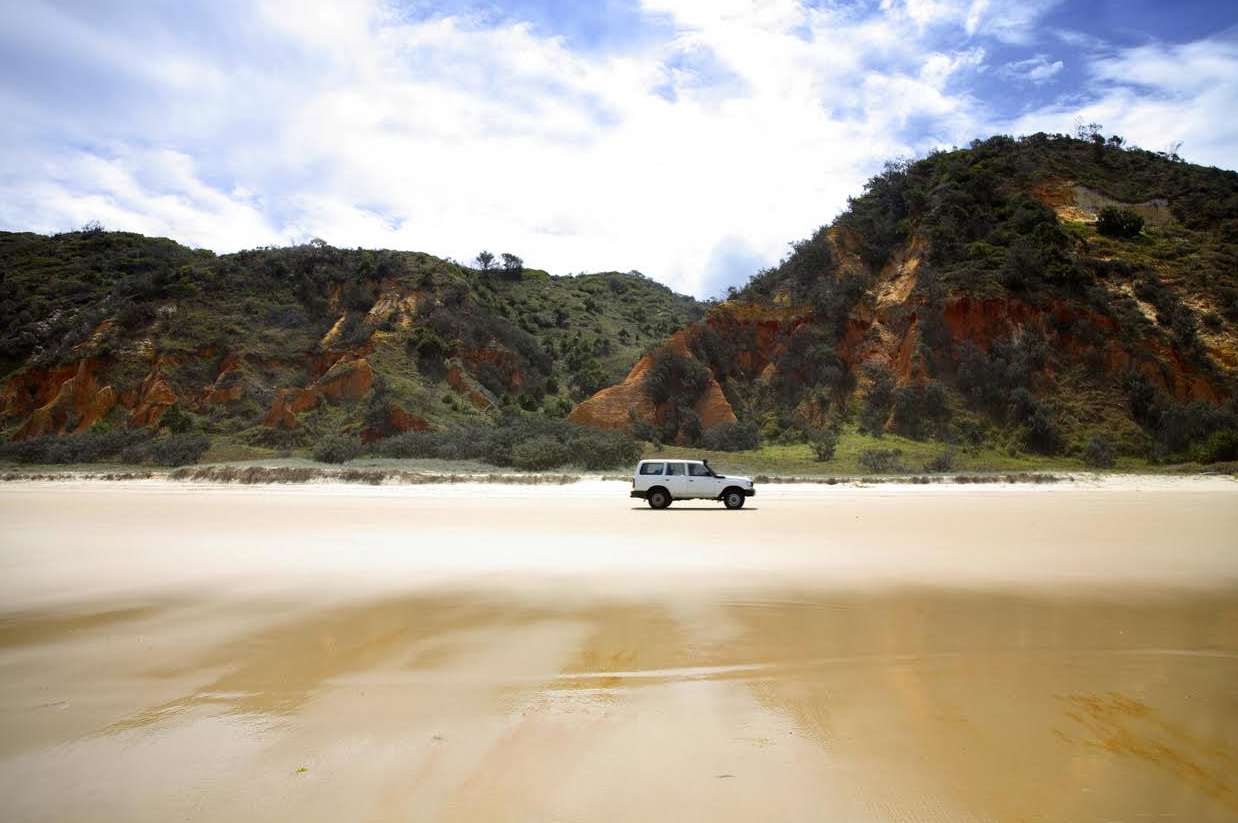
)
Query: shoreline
[{"x": 375, "y": 476}]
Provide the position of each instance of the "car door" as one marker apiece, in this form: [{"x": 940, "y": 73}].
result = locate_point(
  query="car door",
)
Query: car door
[
  {"x": 701, "y": 481},
  {"x": 677, "y": 479}
]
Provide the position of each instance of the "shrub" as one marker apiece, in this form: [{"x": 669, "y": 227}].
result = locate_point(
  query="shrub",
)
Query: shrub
[
  {"x": 877, "y": 400},
  {"x": 598, "y": 450},
  {"x": 178, "y": 449},
  {"x": 337, "y": 448},
  {"x": 1115, "y": 222},
  {"x": 943, "y": 461},
  {"x": 1099, "y": 452},
  {"x": 689, "y": 425},
  {"x": 919, "y": 411},
  {"x": 88, "y": 447},
  {"x": 675, "y": 377},
  {"x": 824, "y": 443},
  {"x": 526, "y": 441},
  {"x": 176, "y": 421},
  {"x": 539, "y": 453},
  {"x": 1039, "y": 430},
  {"x": 881, "y": 460},
  {"x": 1220, "y": 446},
  {"x": 411, "y": 444},
  {"x": 732, "y": 437}
]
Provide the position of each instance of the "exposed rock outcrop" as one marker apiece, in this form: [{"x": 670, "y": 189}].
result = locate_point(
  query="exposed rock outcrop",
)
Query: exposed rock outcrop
[
  {"x": 78, "y": 404},
  {"x": 398, "y": 419},
  {"x": 345, "y": 380},
  {"x": 154, "y": 398},
  {"x": 614, "y": 408},
  {"x": 1078, "y": 203}
]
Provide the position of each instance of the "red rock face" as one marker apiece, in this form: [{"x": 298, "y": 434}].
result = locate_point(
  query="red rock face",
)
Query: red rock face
[
  {"x": 891, "y": 335},
  {"x": 609, "y": 408},
  {"x": 463, "y": 382},
  {"x": 985, "y": 321},
  {"x": 79, "y": 401},
  {"x": 613, "y": 408},
  {"x": 23, "y": 393},
  {"x": 399, "y": 419},
  {"x": 346, "y": 380},
  {"x": 154, "y": 398},
  {"x": 713, "y": 407}
]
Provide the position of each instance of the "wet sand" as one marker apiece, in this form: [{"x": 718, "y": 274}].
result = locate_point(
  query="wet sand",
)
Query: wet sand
[{"x": 173, "y": 652}]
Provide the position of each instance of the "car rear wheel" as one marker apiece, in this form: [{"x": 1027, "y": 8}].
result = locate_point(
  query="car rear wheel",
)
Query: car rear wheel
[
  {"x": 733, "y": 499},
  {"x": 658, "y": 498}
]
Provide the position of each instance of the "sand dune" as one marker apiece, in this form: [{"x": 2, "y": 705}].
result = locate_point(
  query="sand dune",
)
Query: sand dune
[{"x": 507, "y": 653}]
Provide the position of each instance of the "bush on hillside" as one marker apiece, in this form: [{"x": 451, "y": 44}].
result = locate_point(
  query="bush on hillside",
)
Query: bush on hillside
[
  {"x": 177, "y": 449},
  {"x": 1115, "y": 222},
  {"x": 824, "y": 443},
  {"x": 881, "y": 460},
  {"x": 732, "y": 437},
  {"x": 1039, "y": 431},
  {"x": 1099, "y": 452},
  {"x": 176, "y": 421},
  {"x": 675, "y": 378},
  {"x": 526, "y": 441},
  {"x": 539, "y": 453},
  {"x": 920, "y": 411},
  {"x": 877, "y": 400},
  {"x": 88, "y": 447},
  {"x": 337, "y": 448},
  {"x": 598, "y": 450},
  {"x": 1220, "y": 446},
  {"x": 943, "y": 461}
]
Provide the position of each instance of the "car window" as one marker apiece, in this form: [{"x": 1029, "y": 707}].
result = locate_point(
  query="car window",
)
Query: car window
[
  {"x": 697, "y": 470},
  {"x": 651, "y": 468},
  {"x": 674, "y": 468}
]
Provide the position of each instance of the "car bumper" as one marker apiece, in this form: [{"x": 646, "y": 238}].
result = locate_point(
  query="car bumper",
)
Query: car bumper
[
  {"x": 749, "y": 492},
  {"x": 636, "y": 493}
]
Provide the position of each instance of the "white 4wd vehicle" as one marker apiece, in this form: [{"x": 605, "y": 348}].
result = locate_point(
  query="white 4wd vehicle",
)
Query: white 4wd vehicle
[{"x": 658, "y": 482}]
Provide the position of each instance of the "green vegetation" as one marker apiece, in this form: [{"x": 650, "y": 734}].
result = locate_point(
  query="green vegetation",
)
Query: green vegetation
[
  {"x": 128, "y": 446},
  {"x": 337, "y": 448},
  {"x": 975, "y": 219},
  {"x": 1115, "y": 222},
  {"x": 519, "y": 440},
  {"x": 446, "y": 343}
]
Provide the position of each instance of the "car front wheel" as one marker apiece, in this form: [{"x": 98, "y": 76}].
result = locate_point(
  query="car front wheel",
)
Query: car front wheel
[
  {"x": 734, "y": 499},
  {"x": 658, "y": 499}
]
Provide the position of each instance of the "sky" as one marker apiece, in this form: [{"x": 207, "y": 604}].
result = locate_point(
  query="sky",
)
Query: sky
[{"x": 691, "y": 140}]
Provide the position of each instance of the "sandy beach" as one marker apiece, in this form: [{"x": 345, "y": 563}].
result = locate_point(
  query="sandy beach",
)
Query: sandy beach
[{"x": 324, "y": 652}]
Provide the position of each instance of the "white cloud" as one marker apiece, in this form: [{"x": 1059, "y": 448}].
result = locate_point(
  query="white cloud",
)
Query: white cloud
[
  {"x": 1036, "y": 70},
  {"x": 939, "y": 68},
  {"x": 442, "y": 135}
]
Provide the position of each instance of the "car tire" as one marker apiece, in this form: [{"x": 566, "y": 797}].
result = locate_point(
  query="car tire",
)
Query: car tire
[
  {"x": 733, "y": 499},
  {"x": 658, "y": 498}
]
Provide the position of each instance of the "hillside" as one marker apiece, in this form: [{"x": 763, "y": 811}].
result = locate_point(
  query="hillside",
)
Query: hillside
[
  {"x": 1041, "y": 297},
  {"x": 278, "y": 349},
  {"x": 976, "y": 297}
]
